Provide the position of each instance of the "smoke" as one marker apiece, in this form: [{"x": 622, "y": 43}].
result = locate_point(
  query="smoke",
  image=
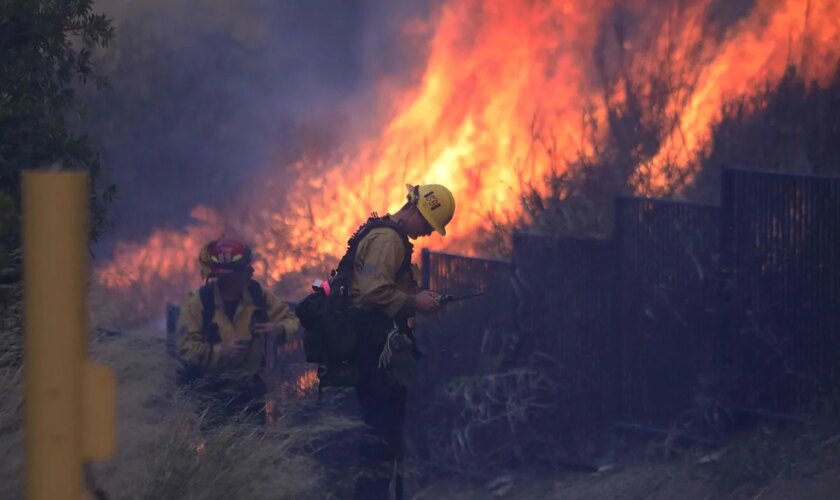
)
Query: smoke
[{"x": 207, "y": 94}]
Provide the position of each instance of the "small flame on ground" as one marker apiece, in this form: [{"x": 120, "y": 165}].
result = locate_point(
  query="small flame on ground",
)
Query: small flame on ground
[
  {"x": 307, "y": 382},
  {"x": 269, "y": 411},
  {"x": 301, "y": 385}
]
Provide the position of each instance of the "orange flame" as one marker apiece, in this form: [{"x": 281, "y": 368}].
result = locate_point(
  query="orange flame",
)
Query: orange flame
[
  {"x": 510, "y": 91},
  {"x": 775, "y": 35},
  {"x": 142, "y": 277},
  {"x": 145, "y": 264},
  {"x": 303, "y": 380},
  {"x": 307, "y": 382},
  {"x": 270, "y": 407}
]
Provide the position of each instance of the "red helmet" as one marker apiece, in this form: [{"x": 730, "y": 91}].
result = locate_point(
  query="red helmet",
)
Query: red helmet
[{"x": 227, "y": 256}]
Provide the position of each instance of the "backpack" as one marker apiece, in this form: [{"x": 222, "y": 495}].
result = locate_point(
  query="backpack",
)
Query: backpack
[
  {"x": 329, "y": 338},
  {"x": 210, "y": 330}
]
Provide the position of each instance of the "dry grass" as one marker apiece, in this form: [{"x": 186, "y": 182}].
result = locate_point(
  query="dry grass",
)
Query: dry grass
[
  {"x": 158, "y": 434},
  {"x": 765, "y": 463},
  {"x": 11, "y": 393},
  {"x": 11, "y": 440},
  {"x": 508, "y": 398}
]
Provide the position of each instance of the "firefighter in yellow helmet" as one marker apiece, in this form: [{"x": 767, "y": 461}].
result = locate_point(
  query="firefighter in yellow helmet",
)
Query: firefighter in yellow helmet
[
  {"x": 222, "y": 332},
  {"x": 435, "y": 203},
  {"x": 385, "y": 297}
]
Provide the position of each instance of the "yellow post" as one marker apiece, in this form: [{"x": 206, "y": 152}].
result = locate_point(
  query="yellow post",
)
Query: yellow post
[{"x": 59, "y": 384}]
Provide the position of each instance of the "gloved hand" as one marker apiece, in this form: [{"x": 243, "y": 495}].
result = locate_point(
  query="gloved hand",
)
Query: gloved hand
[{"x": 427, "y": 302}]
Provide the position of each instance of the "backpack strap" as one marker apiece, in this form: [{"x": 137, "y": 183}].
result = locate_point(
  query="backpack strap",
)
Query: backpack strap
[
  {"x": 345, "y": 266},
  {"x": 208, "y": 305},
  {"x": 257, "y": 295},
  {"x": 208, "y": 302},
  {"x": 209, "y": 329},
  {"x": 186, "y": 374},
  {"x": 409, "y": 248}
]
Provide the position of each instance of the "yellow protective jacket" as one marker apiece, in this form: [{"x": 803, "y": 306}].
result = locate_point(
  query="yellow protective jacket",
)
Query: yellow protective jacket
[
  {"x": 377, "y": 283},
  {"x": 197, "y": 352}
]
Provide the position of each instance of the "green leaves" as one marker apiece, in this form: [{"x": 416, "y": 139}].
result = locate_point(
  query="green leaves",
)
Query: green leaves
[{"x": 46, "y": 52}]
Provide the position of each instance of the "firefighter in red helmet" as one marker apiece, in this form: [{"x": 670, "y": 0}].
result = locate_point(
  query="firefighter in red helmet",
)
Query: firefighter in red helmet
[{"x": 222, "y": 333}]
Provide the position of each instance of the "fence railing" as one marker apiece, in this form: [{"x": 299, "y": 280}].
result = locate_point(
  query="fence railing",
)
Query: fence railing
[{"x": 459, "y": 340}]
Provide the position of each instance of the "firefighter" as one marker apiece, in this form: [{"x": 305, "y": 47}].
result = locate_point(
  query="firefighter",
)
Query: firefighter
[
  {"x": 385, "y": 297},
  {"x": 222, "y": 333}
]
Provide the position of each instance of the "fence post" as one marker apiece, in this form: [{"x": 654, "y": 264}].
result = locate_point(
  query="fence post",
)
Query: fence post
[
  {"x": 69, "y": 403},
  {"x": 172, "y": 313}
]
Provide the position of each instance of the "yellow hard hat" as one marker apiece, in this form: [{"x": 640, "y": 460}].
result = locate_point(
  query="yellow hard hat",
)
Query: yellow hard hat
[{"x": 436, "y": 204}]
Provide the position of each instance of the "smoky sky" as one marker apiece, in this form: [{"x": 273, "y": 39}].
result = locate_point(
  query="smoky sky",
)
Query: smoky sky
[{"x": 204, "y": 93}]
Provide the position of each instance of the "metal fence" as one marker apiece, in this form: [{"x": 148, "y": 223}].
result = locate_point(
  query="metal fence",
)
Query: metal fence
[
  {"x": 461, "y": 340},
  {"x": 683, "y": 299},
  {"x": 467, "y": 339},
  {"x": 665, "y": 297},
  {"x": 781, "y": 242},
  {"x": 564, "y": 290}
]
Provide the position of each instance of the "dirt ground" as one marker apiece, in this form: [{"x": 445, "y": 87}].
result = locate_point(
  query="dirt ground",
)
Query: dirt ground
[
  {"x": 656, "y": 483},
  {"x": 816, "y": 478}
]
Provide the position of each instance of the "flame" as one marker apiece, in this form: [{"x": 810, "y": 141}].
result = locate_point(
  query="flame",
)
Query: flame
[
  {"x": 143, "y": 277},
  {"x": 303, "y": 380},
  {"x": 506, "y": 85},
  {"x": 468, "y": 125},
  {"x": 145, "y": 263},
  {"x": 270, "y": 407},
  {"x": 511, "y": 91},
  {"x": 775, "y": 35},
  {"x": 307, "y": 382}
]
